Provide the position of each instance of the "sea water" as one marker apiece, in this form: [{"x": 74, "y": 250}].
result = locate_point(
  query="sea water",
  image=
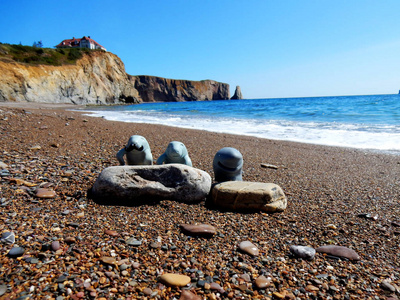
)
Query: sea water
[{"x": 363, "y": 122}]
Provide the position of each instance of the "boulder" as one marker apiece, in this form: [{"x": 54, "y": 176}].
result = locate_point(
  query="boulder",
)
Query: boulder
[
  {"x": 243, "y": 195},
  {"x": 132, "y": 185},
  {"x": 237, "y": 94}
]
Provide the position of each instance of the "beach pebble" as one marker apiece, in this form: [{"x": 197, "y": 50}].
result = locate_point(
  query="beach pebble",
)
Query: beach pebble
[
  {"x": 133, "y": 242},
  {"x": 45, "y": 193},
  {"x": 111, "y": 232},
  {"x": 16, "y": 251},
  {"x": 8, "y": 237},
  {"x": 171, "y": 279},
  {"x": 70, "y": 240},
  {"x": 132, "y": 184},
  {"x": 249, "y": 248},
  {"x": 303, "y": 252},
  {"x": 3, "y": 165},
  {"x": 216, "y": 287},
  {"x": 385, "y": 285},
  {"x": 108, "y": 260},
  {"x": 262, "y": 282},
  {"x": 188, "y": 295},
  {"x": 203, "y": 230},
  {"x": 239, "y": 195},
  {"x": 55, "y": 245},
  {"x": 339, "y": 251},
  {"x": 3, "y": 289}
]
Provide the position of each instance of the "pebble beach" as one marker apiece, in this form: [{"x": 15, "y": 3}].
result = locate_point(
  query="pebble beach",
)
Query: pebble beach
[{"x": 69, "y": 247}]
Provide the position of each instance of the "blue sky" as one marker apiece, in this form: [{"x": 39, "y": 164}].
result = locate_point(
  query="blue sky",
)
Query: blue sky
[{"x": 270, "y": 48}]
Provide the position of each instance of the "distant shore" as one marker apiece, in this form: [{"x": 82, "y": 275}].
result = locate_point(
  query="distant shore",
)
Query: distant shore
[{"x": 335, "y": 196}]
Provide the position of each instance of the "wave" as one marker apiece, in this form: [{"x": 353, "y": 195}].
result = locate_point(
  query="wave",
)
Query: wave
[{"x": 362, "y": 136}]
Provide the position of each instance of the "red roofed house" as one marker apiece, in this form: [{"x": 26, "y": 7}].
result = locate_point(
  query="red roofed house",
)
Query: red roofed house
[{"x": 85, "y": 42}]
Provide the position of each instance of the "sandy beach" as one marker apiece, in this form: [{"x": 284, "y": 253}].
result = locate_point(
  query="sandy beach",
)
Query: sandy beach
[{"x": 336, "y": 196}]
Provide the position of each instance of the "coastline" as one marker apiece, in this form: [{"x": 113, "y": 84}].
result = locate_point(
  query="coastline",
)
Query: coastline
[{"x": 324, "y": 185}]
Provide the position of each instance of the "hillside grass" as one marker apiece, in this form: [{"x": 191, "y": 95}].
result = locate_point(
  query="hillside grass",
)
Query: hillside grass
[{"x": 41, "y": 56}]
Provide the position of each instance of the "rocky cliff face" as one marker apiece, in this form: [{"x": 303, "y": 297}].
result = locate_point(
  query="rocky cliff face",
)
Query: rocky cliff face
[
  {"x": 98, "y": 78},
  {"x": 163, "y": 89}
]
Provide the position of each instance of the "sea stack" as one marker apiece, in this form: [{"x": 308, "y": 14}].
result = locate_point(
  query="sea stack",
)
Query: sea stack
[{"x": 237, "y": 94}]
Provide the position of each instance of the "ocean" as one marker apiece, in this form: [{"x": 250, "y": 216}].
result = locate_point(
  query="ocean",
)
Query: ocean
[{"x": 364, "y": 122}]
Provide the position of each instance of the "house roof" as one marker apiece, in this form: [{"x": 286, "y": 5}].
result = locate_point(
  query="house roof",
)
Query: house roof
[{"x": 75, "y": 42}]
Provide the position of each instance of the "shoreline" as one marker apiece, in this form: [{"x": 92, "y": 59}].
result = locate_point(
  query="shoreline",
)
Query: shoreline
[{"x": 335, "y": 196}]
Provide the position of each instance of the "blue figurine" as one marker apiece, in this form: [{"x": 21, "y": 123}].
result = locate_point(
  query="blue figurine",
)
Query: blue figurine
[
  {"x": 176, "y": 153},
  {"x": 137, "y": 152},
  {"x": 227, "y": 165}
]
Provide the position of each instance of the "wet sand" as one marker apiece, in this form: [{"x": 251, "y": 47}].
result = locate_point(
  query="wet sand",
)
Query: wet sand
[{"x": 335, "y": 196}]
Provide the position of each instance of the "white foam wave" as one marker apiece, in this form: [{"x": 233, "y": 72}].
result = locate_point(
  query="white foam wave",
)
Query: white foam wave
[{"x": 385, "y": 137}]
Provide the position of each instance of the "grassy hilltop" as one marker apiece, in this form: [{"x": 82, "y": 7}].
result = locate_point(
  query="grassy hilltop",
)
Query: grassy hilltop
[{"x": 41, "y": 56}]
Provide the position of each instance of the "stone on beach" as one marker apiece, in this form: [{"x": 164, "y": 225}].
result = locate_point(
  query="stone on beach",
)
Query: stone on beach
[
  {"x": 171, "y": 279},
  {"x": 16, "y": 252},
  {"x": 339, "y": 251},
  {"x": 45, "y": 193},
  {"x": 249, "y": 248},
  {"x": 188, "y": 295},
  {"x": 8, "y": 237},
  {"x": 262, "y": 282},
  {"x": 304, "y": 252},
  {"x": 237, "y": 195},
  {"x": 132, "y": 184},
  {"x": 204, "y": 230}
]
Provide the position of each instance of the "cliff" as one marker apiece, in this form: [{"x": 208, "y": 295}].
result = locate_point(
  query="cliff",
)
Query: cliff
[{"x": 97, "y": 78}]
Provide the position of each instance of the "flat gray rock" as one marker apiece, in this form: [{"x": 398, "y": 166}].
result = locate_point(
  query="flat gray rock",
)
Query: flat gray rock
[
  {"x": 239, "y": 195},
  {"x": 132, "y": 185}
]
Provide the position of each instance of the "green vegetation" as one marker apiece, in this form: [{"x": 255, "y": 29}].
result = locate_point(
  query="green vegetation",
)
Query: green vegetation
[{"x": 41, "y": 56}]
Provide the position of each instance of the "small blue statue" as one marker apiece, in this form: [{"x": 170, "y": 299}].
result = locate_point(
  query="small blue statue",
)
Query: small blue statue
[
  {"x": 176, "y": 153},
  {"x": 227, "y": 165},
  {"x": 137, "y": 152}
]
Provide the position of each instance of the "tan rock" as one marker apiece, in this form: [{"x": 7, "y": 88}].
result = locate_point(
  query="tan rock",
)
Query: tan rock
[
  {"x": 171, "y": 279},
  {"x": 205, "y": 230},
  {"x": 262, "y": 282},
  {"x": 45, "y": 193},
  {"x": 249, "y": 248},
  {"x": 239, "y": 195},
  {"x": 188, "y": 295}
]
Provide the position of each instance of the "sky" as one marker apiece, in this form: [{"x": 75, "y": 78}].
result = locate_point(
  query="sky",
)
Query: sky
[{"x": 270, "y": 48}]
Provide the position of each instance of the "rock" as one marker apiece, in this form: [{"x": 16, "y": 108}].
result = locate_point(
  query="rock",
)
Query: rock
[
  {"x": 249, "y": 248},
  {"x": 3, "y": 289},
  {"x": 8, "y": 237},
  {"x": 215, "y": 286},
  {"x": 133, "y": 242},
  {"x": 131, "y": 185},
  {"x": 203, "y": 230},
  {"x": 304, "y": 252},
  {"x": 108, "y": 260},
  {"x": 70, "y": 240},
  {"x": 188, "y": 295},
  {"x": 262, "y": 282},
  {"x": 237, "y": 94},
  {"x": 55, "y": 245},
  {"x": 111, "y": 232},
  {"x": 16, "y": 252},
  {"x": 385, "y": 285},
  {"x": 239, "y": 195},
  {"x": 171, "y": 279},
  {"x": 339, "y": 251},
  {"x": 45, "y": 193},
  {"x": 3, "y": 165}
]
